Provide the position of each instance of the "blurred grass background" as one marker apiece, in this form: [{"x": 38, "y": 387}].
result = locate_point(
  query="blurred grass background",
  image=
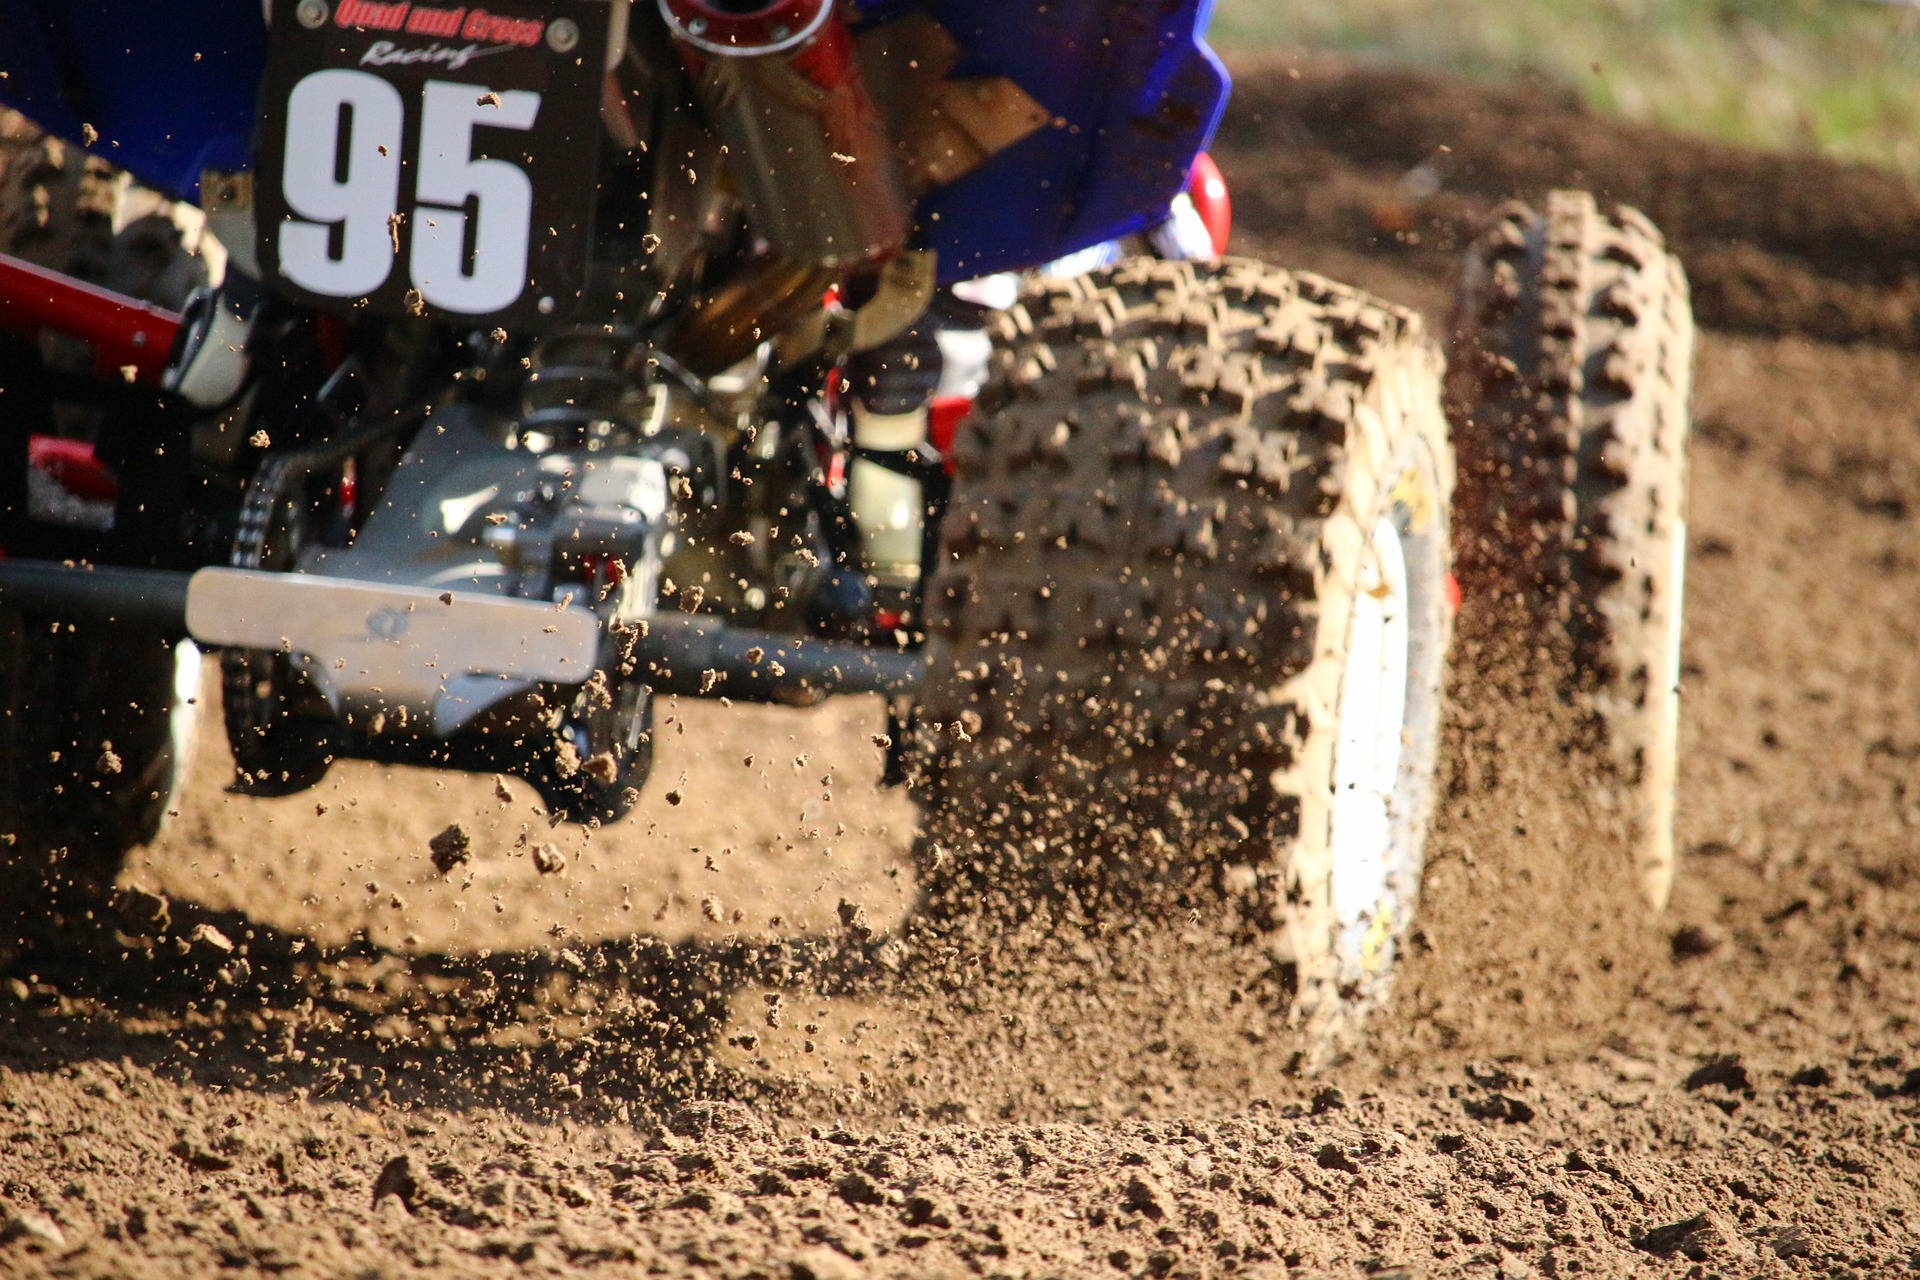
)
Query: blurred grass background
[{"x": 1838, "y": 76}]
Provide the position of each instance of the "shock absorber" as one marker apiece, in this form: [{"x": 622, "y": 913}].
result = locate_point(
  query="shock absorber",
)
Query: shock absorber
[
  {"x": 579, "y": 381},
  {"x": 892, "y": 390},
  {"x": 781, "y": 85}
]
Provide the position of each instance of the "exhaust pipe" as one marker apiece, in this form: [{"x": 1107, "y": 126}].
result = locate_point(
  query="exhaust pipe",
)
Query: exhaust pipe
[{"x": 780, "y": 82}]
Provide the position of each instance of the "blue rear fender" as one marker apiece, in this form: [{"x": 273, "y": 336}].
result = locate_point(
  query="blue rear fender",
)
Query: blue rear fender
[
  {"x": 172, "y": 88},
  {"x": 1135, "y": 95},
  {"x": 1133, "y": 90}
]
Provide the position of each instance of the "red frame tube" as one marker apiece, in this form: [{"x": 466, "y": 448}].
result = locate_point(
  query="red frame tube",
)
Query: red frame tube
[{"x": 125, "y": 332}]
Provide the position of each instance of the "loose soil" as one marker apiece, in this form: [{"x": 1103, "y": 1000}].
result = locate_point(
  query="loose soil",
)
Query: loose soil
[{"x": 696, "y": 1050}]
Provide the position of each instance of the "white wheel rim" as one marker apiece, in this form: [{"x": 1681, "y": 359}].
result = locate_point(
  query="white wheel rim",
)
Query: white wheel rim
[
  {"x": 1366, "y": 765},
  {"x": 183, "y": 723},
  {"x": 1676, "y": 615}
]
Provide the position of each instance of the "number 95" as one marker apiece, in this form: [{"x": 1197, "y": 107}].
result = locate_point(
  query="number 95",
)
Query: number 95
[{"x": 343, "y": 171}]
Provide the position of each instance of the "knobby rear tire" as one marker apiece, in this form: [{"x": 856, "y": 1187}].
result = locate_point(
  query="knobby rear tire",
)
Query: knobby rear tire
[
  {"x": 1167, "y": 505},
  {"x": 89, "y": 751},
  {"x": 1569, "y": 385}
]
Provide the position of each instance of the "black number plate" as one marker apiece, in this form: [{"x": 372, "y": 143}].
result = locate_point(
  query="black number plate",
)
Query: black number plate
[{"x": 431, "y": 159}]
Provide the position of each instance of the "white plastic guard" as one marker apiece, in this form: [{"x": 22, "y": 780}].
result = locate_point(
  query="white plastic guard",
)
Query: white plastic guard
[{"x": 370, "y": 644}]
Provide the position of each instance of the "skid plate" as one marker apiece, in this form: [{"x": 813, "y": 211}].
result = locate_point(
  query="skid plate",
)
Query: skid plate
[{"x": 374, "y": 647}]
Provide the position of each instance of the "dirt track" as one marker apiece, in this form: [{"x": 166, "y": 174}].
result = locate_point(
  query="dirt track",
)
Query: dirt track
[{"x": 1733, "y": 1090}]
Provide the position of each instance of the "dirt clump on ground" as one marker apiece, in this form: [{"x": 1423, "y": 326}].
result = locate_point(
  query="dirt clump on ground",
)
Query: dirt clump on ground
[{"x": 299, "y": 1046}]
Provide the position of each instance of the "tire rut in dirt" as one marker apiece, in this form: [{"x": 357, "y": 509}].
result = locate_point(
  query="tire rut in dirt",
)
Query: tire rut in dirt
[
  {"x": 1165, "y": 509},
  {"x": 1569, "y": 393},
  {"x": 1329, "y": 153}
]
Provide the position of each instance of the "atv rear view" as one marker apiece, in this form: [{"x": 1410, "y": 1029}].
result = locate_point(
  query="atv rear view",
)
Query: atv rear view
[{"x": 567, "y": 355}]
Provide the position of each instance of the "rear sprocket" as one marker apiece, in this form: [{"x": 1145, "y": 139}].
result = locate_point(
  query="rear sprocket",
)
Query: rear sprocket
[{"x": 279, "y": 746}]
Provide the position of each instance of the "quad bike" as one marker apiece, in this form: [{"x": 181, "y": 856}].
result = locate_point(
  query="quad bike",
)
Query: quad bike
[{"x": 571, "y": 353}]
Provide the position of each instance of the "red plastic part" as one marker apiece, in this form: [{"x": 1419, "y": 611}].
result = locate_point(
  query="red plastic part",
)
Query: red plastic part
[
  {"x": 72, "y": 466},
  {"x": 350, "y": 488},
  {"x": 125, "y": 332},
  {"x": 1208, "y": 191},
  {"x": 1453, "y": 596},
  {"x": 335, "y": 339},
  {"x": 944, "y": 417}
]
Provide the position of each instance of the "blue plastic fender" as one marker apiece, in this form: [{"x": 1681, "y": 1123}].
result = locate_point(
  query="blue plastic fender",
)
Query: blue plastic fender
[{"x": 1135, "y": 93}]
